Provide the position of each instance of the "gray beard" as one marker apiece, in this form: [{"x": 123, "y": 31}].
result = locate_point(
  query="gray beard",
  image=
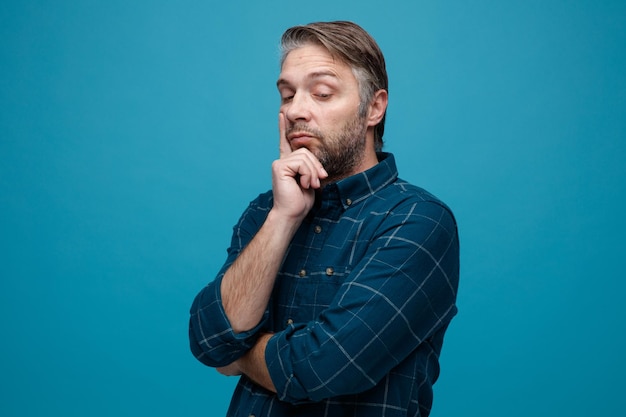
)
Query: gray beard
[{"x": 341, "y": 153}]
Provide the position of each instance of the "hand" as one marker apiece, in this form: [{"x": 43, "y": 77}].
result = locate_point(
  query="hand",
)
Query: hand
[{"x": 295, "y": 176}]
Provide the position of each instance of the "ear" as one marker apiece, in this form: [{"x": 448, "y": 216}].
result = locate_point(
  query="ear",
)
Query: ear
[{"x": 377, "y": 109}]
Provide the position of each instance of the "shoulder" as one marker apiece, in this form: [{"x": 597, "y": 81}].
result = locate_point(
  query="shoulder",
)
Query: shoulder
[
  {"x": 396, "y": 193},
  {"x": 263, "y": 201},
  {"x": 255, "y": 213},
  {"x": 409, "y": 196}
]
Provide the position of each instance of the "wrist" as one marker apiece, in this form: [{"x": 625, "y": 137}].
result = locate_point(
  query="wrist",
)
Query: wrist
[{"x": 283, "y": 224}]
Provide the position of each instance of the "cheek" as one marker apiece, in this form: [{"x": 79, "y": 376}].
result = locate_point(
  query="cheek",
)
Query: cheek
[
  {"x": 338, "y": 116},
  {"x": 334, "y": 116}
]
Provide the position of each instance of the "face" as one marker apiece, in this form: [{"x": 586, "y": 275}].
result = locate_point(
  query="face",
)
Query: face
[{"x": 320, "y": 101}]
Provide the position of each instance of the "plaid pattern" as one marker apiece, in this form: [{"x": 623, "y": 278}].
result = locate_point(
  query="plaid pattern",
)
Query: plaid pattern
[{"x": 360, "y": 306}]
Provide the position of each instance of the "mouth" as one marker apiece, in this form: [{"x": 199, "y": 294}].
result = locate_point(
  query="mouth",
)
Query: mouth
[{"x": 300, "y": 139}]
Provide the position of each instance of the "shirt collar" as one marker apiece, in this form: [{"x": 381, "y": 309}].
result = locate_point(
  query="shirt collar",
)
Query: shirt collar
[{"x": 358, "y": 187}]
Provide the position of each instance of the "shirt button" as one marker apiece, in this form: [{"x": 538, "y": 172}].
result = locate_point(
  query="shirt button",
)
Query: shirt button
[
  {"x": 289, "y": 322},
  {"x": 302, "y": 272},
  {"x": 330, "y": 271},
  {"x": 348, "y": 202},
  {"x": 318, "y": 229}
]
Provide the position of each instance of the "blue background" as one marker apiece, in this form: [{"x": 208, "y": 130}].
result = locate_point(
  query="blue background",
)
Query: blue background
[{"x": 132, "y": 135}]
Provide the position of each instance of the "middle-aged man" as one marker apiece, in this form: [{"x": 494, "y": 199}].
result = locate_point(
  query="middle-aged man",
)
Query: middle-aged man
[{"x": 339, "y": 282}]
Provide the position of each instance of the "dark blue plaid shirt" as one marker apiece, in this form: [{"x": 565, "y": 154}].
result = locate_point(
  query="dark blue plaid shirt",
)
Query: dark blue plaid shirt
[{"x": 359, "y": 309}]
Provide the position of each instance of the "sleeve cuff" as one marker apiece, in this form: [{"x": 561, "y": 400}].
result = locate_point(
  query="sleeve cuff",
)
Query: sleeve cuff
[
  {"x": 216, "y": 344},
  {"x": 278, "y": 360}
]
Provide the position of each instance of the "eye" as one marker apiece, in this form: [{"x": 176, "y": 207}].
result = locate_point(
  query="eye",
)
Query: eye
[{"x": 286, "y": 93}]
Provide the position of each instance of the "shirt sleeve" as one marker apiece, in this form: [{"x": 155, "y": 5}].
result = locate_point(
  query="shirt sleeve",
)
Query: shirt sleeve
[
  {"x": 398, "y": 296},
  {"x": 211, "y": 337}
]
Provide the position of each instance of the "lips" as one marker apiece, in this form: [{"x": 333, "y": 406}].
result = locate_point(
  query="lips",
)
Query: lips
[
  {"x": 300, "y": 139},
  {"x": 298, "y": 135}
]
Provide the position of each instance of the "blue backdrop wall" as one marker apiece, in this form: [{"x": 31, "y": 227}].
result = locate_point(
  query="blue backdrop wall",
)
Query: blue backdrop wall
[{"x": 132, "y": 134}]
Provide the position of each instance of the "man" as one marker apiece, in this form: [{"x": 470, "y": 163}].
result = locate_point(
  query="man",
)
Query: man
[{"x": 339, "y": 282}]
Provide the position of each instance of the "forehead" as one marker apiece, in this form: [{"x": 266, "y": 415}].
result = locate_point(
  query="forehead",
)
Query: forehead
[{"x": 313, "y": 59}]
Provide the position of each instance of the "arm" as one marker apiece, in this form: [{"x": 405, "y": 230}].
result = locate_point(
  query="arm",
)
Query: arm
[
  {"x": 230, "y": 309},
  {"x": 247, "y": 285},
  {"x": 253, "y": 365},
  {"x": 396, "y": 302}
]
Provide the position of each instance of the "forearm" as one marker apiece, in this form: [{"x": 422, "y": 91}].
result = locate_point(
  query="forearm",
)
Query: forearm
[
  {"x": 253, "y": 364},
  {"x": 248, "y": 283}
]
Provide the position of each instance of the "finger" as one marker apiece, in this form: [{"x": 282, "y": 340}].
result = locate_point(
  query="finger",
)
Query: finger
[
  {"x": 283, "y": 145},
  {"x": 317, "y": 165},
  {"x": 308, "y": 169},
  {"x": 296, "y": 166}
]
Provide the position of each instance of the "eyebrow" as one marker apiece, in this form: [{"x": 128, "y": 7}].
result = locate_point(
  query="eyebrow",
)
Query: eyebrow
[{"x": 313, "y": 75}]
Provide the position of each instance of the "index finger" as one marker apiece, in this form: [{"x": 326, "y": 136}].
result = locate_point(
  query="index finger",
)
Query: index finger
[{"x": 283, "y": 145}]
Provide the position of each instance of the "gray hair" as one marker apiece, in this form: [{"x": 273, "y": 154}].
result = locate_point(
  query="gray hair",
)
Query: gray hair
[{"x": 352, "y": 45}]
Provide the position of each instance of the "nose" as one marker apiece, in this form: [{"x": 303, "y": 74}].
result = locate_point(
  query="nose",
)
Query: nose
[{"x": 298, "y": 108}]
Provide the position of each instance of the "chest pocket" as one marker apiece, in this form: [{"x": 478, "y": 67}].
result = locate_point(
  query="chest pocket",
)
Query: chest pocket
[{"x": 314, "y": 289}]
